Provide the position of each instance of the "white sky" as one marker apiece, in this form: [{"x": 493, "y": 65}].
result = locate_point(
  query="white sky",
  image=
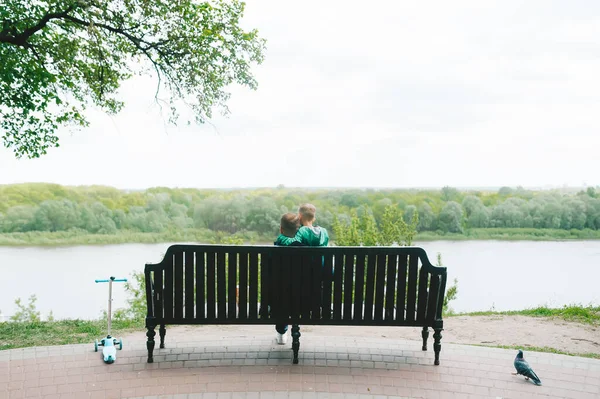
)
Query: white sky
[{"x": 375, "y": 94}]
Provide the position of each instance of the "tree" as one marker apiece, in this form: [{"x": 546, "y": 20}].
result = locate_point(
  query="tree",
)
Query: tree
[
  {"x": 449, "y": 193},
  {"x": 57, "y": 216},
  {"x": 510, "y": 213},
  {"x": 350, "y": 200},
  {"x": 346, "y": 230},
  {"x": 60, "y": 56},
  {"x": 98, "y": 219},
  {"x": 409, "y": 213},
  {"x": 426, "y": 217},
  {"x": 395, "y": 230},
  {"x": 389, "y": 226},
  {"x": 480, "y": 217},
  {"x": 369, "y": 234},
  {"x": 450, "y": 218},
  {"x": 19, "y": 219},
  {"x": 470, "y": 204},
  {"x": 263, "y": 215}
]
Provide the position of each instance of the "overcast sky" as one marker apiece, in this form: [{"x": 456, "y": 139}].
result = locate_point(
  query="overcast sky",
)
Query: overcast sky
[{"x": 371, "y": 94}]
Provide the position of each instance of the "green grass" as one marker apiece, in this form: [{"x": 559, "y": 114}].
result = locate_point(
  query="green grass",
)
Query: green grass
[
  {"x": 512, "y": 234},
  {"x": 574, "y": 313},
  {"x": 63, "y": 332},
  {"x": 80, "y": 237},
  {"x": 544, "y": 349}
]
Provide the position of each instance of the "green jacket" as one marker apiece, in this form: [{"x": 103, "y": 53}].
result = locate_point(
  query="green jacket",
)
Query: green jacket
[
  {"x": 314, "y": 236},
  {"x": 286, "y": 241}
]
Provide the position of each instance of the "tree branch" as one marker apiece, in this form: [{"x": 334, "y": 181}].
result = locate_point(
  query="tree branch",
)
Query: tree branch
[{"x": 20, "y": 39}]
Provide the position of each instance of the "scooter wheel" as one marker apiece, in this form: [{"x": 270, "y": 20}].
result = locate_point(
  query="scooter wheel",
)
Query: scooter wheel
[
  {"x": 121, "y": 344},
  {"x": 96, "y": 346}
]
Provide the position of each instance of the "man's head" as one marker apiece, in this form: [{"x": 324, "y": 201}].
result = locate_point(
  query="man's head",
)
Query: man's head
[
  {"x": 289, "y": 224},
  {"x": 306, "y": 214}
]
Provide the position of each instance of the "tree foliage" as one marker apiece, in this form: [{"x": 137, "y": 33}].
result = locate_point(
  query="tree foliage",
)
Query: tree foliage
[
  {"x": 26, "y": 313},
  {"x": 364, "y": 230},
  {"x": 383, "y": 216},
  {"x": 60, "y": 56}
]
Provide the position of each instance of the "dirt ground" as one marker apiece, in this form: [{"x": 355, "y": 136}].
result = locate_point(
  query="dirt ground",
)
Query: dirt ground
[{"x": 521, "y": 331}]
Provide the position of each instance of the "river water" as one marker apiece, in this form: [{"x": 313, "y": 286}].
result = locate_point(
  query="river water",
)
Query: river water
[{"x": 498, "y": 275}]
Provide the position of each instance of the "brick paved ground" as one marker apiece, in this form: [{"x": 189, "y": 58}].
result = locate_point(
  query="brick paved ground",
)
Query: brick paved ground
[{"x": 245, "y": 362}]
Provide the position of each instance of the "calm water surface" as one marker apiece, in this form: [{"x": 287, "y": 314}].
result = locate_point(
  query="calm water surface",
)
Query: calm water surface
[{"x": 491, "y": 274}]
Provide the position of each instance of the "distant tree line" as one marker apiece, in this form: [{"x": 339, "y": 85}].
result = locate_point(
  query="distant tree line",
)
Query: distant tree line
[{"x": 106, "y": 210}]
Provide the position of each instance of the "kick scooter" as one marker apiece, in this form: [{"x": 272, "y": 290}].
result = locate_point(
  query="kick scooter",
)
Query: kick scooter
[{"x": 109, "y": 352}]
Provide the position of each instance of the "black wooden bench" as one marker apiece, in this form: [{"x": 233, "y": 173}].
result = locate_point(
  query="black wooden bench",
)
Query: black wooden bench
[{"x": 354, "y": 286}]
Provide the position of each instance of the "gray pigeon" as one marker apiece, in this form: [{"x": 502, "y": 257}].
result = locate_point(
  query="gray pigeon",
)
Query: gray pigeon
[{"x": 524, "y": 369}]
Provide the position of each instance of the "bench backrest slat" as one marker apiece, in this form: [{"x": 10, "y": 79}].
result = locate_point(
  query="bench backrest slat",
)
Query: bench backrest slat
[
  {"x": 305, "y": 290},
  {"x": 265, "y": 293},
  {"x": 221, "y": 287},
  {"x": 188, "y": 264},
  {"x": 275, "y": 285},
  {"x": 348, "y": 285},
  {"x": 200, "y": 284},
  {"x": 327, "y": 282},
  {"x": 422, "y": 294},
  {"x": 338, "y": 272},
  {"x": 232, "y": 270},
  {"x": 317, "y": 277},
  {"x": 372, "y": 285},
  {"x": 379, "y": 286},
  {"x": 159, "y": 297},
  {"x": 390, "y": 286},
  {"x": 359, "y": 287},
  {"x": 295, "y": 272},
  {"x": 178, "y": 285},
  {"x": 401, "y": 286},
  {"x": 211, "y": 277},
  {"x": 411, "y": 299},
  {"x": 434, "y": 292},
  {"x": 253, "y": 283},
  {"x": 168, "y": 289},
  {"x": 243, "y": 301}
]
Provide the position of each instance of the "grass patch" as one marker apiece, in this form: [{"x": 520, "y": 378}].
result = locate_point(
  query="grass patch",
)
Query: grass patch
[
  {"x": 512, "y": 234},
  {"x": 81, "y": 237},
  {"x": 544, "y": 349},
  {"x": 63, "y": 332},
  {"x": 576, "y": 313}
]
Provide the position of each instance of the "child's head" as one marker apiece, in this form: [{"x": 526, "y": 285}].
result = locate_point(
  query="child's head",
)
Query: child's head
[
  {"x": 306, "y": 213},
  {"x": 289, "y": 224}
]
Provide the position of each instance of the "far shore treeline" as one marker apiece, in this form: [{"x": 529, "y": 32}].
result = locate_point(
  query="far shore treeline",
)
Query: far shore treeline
[{"x": 53, "y": 214}]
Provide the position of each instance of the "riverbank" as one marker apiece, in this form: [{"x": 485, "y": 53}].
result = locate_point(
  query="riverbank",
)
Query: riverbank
[
  {"x": 530, "y": 333},
  {"x": 570, "y": 330},
  {"x": 61, "y": 238}
]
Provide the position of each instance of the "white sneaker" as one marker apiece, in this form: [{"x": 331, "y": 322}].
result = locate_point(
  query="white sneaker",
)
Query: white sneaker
[{"x": 281, "y": 338}]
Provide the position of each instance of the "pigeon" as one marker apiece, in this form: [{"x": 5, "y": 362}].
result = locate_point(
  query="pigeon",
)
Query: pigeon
[{"x": 524, "y": 369}]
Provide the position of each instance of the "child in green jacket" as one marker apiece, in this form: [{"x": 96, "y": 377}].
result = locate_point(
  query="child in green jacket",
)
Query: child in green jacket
[{"x": 309, "y": 235}]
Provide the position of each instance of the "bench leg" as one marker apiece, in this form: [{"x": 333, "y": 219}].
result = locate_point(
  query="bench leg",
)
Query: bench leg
[
  {"x": 150, "y": 343},
  {"x": 162, "y": 331},
  {"x": 425, "y": 335},
  {"x": 296, "y": 341},
  {"x": 437, "y": 336}
]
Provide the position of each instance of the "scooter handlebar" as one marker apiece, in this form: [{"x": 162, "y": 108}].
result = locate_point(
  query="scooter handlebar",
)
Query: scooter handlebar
[{"x": 118, "y": 280}]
